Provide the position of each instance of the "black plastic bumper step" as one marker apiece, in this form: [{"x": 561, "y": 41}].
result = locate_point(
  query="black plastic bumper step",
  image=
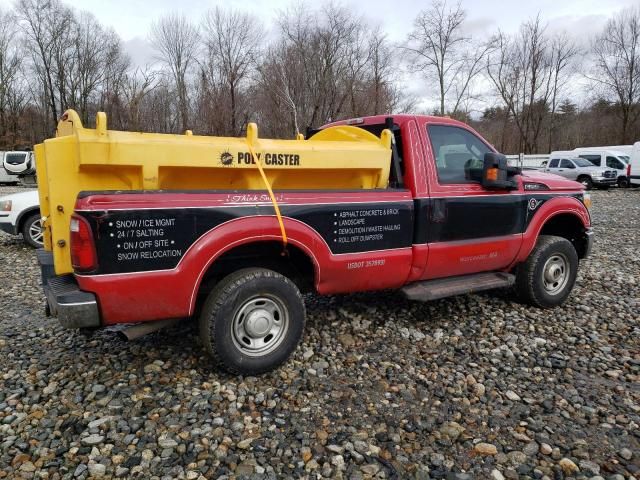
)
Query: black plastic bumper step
[{"x": 447, "y": 287}]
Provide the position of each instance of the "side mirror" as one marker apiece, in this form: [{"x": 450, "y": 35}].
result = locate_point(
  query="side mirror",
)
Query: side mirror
[{"x": 497, "y": 174}]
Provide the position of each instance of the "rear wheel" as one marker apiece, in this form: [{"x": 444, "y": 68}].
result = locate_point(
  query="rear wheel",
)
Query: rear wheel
[
  {"x": 252, "y": 321},
  {"x": 547, "y": 277},
  {"x": 32, "y": 231},
  {"x": 623, "y": 182},
  {"x": 586, "y": 182}
]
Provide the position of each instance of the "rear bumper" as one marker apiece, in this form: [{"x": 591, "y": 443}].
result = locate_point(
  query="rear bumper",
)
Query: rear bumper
[{"x": 73, "y": 307}]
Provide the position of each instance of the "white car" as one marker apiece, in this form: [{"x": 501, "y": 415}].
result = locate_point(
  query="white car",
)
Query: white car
[
  {"x": 20, "y": 214},
  {"x": 601, "y": 157}
]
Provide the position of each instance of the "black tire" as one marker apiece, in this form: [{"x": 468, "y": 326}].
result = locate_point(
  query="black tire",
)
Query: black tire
[
  {"x": 227, "y": 330},
  {"x": 586, "y": 181},
  {"x": 537, "y": 289},
  {"x": 30, "y": 231},
  {"x": 623, "y": 182}
]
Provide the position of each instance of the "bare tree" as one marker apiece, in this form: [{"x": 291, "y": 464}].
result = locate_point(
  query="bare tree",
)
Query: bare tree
[
  {"x": 232, "y": 40},
  {"x": 177, "y": 40},
  {"x": 527, "y": 72},
  {"x": 136, "y": 86},
  {"x": 10, "y": 70},
  {"x": 381, "y": 69},
  {"x": 95, "y": 54},
  {"x": 117, "y": 65},
  {"x": 617, "y": 62},
  {"x": 564, "y": 53},
  {"x": 46, "y": 24},
  {"x": 440, "y": 50}
]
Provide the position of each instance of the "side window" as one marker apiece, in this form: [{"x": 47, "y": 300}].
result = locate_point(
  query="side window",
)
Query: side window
[
  {"x": 554, "y": 163},
  {"x": 566, "y": 164},
  {"x": 613, "y": 162},
  {"x": 458, "y": 153},
  {"x": 595, "y": 159}
]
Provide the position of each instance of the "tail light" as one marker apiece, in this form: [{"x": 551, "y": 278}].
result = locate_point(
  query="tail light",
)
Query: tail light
[
  {"x": 628, "y": 170},
  {"x": 83, "y": 250}
]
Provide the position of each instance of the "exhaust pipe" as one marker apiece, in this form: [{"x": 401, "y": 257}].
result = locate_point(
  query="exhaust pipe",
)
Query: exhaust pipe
[{"x": 141, "y": 329}]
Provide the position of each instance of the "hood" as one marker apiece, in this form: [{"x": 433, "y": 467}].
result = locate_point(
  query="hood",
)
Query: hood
[
  {"x": 553, "y": 182},
  {"x": 29, "y": 197}
]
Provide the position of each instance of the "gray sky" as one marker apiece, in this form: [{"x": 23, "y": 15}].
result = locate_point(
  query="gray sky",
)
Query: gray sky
[{"x": 132, "y": 19}]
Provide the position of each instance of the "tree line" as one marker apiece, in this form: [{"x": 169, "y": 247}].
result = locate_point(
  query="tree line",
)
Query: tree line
[{"x": 317, "y": 65}]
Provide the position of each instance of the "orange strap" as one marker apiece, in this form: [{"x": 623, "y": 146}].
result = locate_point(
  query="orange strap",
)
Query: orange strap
[{"x": 273, "y": 197}]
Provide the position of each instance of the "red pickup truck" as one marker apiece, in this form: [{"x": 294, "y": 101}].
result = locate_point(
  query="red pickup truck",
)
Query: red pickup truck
[{"x": 455, "y": 219}]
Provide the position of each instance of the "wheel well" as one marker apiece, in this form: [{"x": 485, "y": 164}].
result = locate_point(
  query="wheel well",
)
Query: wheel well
[
  {"x": 570, "y": 227},
  {"x": 294, "y": 264},
  {"x": 23, "y": 217}
]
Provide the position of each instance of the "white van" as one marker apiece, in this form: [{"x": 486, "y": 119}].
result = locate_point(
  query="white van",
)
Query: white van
[
  {"x": 625, "y": 149},
  {"x": 612, "y": 159},
  {"x": 633, "y": 171}
]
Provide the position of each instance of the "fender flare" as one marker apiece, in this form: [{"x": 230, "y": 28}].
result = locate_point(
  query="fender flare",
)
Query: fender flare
[
  {"x": 24, "y": 214},
  {"x": 246, "y": 230},
  {"x": 550, "y": 209}
]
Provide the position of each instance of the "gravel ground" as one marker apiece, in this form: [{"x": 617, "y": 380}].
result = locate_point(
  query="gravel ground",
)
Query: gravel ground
[{"x": 473, "y": 387}]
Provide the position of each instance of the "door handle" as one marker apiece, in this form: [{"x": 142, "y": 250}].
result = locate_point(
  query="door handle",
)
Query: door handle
[{"x": 561, "y": 169}]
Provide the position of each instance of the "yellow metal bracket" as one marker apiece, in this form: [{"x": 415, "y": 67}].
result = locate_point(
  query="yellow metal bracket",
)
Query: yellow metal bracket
[{"x": 252, "y": 137}]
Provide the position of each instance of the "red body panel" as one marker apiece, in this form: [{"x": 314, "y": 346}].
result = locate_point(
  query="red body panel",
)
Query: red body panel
[{"x": 172, "y": 293}]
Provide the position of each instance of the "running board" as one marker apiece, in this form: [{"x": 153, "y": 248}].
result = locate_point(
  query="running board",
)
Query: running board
[{"x": 447, "y": 287}]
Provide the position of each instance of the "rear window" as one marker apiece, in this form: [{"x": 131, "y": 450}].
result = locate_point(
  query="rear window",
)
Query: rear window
[{"x": 581, "y": 162}]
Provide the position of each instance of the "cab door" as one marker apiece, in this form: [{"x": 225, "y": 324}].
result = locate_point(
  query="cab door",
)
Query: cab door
[{"x": 469, "y": 229}]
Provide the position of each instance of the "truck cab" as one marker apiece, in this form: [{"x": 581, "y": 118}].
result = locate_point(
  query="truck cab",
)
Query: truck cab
[{"x": 438, "y": 213}]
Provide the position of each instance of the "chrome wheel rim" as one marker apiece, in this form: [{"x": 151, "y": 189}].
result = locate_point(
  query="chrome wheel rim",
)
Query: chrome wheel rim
[
  {"x": 585, "y": 182},
  {"x": 259, "y": 325},
  {"x": 35, "y": 232},
  {"x": 555, "y": 273}
]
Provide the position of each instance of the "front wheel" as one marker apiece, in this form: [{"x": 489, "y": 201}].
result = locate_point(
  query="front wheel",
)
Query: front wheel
[
  {"x": 623, "y": 182},
  {"x": 586, "y": 182},
  {"x": 547, "y": 277},
  {"x": 252, "y": 321}
]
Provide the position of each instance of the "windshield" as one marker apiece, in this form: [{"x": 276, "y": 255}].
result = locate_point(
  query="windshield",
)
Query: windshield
[
  {"x": 581, "y": 162},
  {"x": 15, "y": 158}
]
